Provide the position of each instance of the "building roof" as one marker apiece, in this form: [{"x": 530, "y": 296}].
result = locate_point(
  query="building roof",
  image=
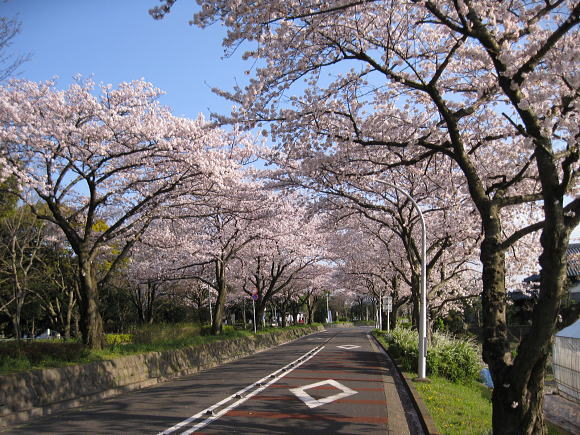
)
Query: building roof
[
  {"x": 572, "y": 331},
  {"x": 574, "y": 259}
]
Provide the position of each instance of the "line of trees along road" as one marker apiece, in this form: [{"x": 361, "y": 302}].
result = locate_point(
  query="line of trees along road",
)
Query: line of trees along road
[
  {"x": 471, "y": 107},
  {"x": 490, "y": 86}
]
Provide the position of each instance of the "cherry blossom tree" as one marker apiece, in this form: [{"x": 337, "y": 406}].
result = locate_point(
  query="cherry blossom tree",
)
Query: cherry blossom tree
[
  {"x": 292, "y": 242},
  {"x": 386, "y": 225},
  {"x": 203, "y": 237},
  {"x": 491, "y": 85},
  {"x": 312, "y": 286},
  {"x": 102, "y": 162},
  {"x": 365, "y": 262}
]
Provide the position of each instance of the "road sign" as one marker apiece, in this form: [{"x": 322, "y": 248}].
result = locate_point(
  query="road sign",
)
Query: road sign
[{"x": 255, "y": 296}]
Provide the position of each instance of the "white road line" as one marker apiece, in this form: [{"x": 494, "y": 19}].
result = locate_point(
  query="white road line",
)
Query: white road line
[{"x": 241, "y": 395}]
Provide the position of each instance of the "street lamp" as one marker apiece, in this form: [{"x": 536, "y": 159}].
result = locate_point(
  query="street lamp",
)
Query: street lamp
[
  {"x": 423, "y": 305},
  {"x": 328, "y": 313}
]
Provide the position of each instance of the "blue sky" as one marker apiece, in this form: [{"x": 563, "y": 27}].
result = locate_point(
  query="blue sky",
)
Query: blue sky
[{"x": 117, "y": 40}]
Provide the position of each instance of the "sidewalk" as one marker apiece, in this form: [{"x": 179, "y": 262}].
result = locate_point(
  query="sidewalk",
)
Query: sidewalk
[
  {"x": 407, "y": 412},
  {"x": 563, "y": 413}
]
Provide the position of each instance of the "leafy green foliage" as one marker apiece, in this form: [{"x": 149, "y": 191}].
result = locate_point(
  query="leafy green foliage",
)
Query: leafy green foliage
[
  {"x": 117, "y": 339},
  {"x": 8, "y": 199},
  {"x": 42, "y": 354},
  {"x": 456, "y": 360},
  {"x": 16, "y": 356}
]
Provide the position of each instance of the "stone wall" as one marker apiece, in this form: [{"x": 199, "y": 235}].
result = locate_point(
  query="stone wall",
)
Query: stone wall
[{"x": 42, "y": 392}]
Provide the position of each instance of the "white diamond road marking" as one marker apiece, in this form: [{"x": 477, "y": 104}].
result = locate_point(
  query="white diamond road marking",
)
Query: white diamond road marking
[
  {"x": 348, "y": 346},
  {"x": 311, "y": 402}
]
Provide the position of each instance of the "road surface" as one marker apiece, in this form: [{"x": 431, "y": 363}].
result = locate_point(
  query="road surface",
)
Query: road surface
[{"x": 332, "y": 382}]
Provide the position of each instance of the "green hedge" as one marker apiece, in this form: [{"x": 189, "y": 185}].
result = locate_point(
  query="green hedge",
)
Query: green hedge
[{"x": 456, "y": 360}]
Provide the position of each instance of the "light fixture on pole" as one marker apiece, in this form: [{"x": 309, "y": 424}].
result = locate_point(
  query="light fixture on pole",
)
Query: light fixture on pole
[{"x": 423, "y": 303}]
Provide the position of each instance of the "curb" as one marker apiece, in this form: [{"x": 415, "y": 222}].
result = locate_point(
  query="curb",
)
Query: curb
[{"x": 429, "y": 426}]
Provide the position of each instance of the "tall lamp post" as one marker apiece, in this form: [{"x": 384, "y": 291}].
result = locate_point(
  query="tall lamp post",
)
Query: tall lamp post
[
  {"x": 328, "y": 313},
  {"x": 423, "y": 305}
]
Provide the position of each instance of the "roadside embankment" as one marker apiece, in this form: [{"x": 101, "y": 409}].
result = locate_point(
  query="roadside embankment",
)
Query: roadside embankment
[{"x": 41, "y": 392}]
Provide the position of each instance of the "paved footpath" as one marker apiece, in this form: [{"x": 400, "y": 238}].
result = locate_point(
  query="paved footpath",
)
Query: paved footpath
[{"x": 333, "y": 382}]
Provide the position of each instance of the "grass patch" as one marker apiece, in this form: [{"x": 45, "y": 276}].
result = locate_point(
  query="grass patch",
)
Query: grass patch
[
  {"x": 457, "y": 408},
  {"x": 38, "y": 354},
  {"x": 460, "y": 408}
]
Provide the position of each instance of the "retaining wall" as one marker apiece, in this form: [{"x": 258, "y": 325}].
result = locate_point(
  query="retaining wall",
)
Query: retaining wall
[{"x": 42, "y": 392}]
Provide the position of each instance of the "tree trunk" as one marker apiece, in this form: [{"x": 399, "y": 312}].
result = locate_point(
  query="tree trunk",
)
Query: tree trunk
[
  {"x": 219, "y": 308},
  {"x": 16, "y": 326},
  {"x": 309, "y": 309},
  {"x": 91, "y": 323},
  {"x": 260, "y": 310},
  {"x": 518, "y": 404},
  {"x": 69, "y": 314},
  {"x": 283, "y": 314},
  {"x": 517, "y": 398}
]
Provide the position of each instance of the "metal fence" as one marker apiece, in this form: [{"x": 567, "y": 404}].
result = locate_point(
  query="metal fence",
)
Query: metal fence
[{"x": 566, "y": 366}]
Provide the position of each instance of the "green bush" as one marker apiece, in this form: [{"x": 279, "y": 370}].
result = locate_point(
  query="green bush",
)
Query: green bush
[
  {"x": 456, "y": 360},
  {"x": 402, "y": 346},
  {"x": 116, "y": 339},
  {"x": 228, "y": 329},
  {"x": 10, "y": 364}
]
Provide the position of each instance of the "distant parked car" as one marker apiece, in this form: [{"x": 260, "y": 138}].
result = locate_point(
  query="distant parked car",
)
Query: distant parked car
[{"x": 48, "y": 334}]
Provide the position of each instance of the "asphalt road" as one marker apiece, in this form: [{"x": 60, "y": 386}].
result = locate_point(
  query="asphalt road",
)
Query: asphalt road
[{"x": 326, "y": 383}]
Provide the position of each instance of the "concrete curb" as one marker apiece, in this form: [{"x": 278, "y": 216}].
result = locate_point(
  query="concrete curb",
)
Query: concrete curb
[
  {"x": 425, "y": 418},
  {"x": 39, "y": 393}
]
